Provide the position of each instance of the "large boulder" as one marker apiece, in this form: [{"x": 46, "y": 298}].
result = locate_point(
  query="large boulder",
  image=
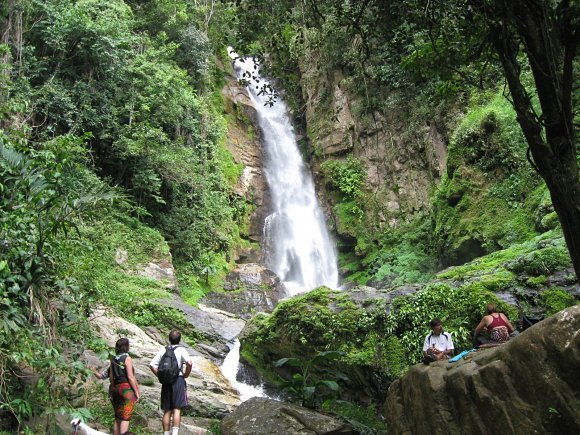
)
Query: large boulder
[
  {"x": 249, "y": 288},
  {"x": 259, "y": 416},
  {"x": 325, "y": 319},
  {"x": 219, "y": 328},
  {"x": 528, "y": 385},
  {"x": 159, "y": 268}
]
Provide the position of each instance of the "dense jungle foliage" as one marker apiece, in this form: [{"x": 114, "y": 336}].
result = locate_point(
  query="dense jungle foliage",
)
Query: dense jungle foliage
[
  {"x": 113, "y": 138},
  {"x": 424, "y": 61}
]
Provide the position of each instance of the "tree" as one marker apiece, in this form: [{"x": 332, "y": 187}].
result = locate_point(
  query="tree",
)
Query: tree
[
  {"x": 541, "y": 35},
  {"x": 548, "y": 32}
]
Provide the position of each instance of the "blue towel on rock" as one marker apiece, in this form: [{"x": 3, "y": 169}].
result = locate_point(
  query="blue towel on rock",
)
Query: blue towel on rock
[{"x": 461, "y": 355}]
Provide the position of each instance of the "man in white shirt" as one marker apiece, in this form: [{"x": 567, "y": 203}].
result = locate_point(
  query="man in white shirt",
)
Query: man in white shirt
[
  {"x": 173, "y": 396},
  {"x": 438, "y": 345}
]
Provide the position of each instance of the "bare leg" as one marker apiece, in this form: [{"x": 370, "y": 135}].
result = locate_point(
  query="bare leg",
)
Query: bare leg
[
  {"x": 166, "y": 420},
  {"x": 123, "y": 426},
  {"x": 117, "y": 427},
  {"x": 176, "y": 418}
]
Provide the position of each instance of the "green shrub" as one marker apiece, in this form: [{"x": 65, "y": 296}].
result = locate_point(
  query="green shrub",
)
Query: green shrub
[
  {"x": 459, "y": 308},
  {"x": 347, "y": 176},
  {"x": 543, "y": 261},
  {"x": 556, "y": 300},
  {"x": 403, "y": 255}
]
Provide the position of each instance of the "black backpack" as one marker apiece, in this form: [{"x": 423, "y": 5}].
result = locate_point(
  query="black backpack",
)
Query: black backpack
[{"x": 168, "y": 369}]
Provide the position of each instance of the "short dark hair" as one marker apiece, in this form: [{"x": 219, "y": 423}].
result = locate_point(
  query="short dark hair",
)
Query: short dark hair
[
  {"x": 435, "y": 322},
  {"x": 490, "y": 308},
  {"x": 122, "y": 346},
  {"x": 175, "y": 336}
]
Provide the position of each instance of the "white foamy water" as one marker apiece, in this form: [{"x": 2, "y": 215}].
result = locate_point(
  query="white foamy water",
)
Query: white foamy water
[
  {"x": 229, "y": 369},
  {"x": 296, "y": 242}
]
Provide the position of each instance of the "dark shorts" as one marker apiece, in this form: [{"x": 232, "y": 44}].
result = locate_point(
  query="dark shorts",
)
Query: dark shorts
[{"x": 174, "y": 396}]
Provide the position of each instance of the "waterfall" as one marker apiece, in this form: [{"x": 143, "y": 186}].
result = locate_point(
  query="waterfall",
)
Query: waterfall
[
  {"x": 230, "y": 368},
  {"x": 296, "y": 242}
]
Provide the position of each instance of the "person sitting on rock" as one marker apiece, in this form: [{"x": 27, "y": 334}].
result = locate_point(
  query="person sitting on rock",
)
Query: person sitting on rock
[
  {"x": 438, "y": 344},
  {"x": 496, "y": 326}
]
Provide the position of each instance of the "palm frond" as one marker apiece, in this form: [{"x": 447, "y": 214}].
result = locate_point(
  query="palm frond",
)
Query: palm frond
[{"x": 13, "y": 158}]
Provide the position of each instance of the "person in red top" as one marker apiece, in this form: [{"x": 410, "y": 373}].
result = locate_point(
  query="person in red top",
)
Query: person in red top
[{"x": 498, "y": 328}]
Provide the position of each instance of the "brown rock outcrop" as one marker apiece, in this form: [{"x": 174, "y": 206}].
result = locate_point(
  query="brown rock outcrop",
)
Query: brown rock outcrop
[
  {"x": 402, "y": 167},
  {"x": 529, "y": 385},
  {"x": 245, "y": 146}
]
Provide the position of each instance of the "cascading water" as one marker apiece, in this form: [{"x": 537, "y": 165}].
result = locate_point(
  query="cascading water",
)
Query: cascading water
[
  {"x": 230, "y": 368},
  {"x": 296, "y": 242}
]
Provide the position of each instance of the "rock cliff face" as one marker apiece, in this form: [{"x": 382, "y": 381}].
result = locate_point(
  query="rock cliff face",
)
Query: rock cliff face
[
  {"x": 528, "y": 385},
  {"x": 245, "y": 145},
  {"x": 401, "y": 168}
]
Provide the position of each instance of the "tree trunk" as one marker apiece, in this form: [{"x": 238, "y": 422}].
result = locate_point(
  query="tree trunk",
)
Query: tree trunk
[{"x": 550, "y": 45}]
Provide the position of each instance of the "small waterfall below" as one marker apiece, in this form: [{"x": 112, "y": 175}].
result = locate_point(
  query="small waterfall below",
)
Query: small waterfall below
[
  {"x": 230, "y": 368},
  {"x": 296, "y": 242}
]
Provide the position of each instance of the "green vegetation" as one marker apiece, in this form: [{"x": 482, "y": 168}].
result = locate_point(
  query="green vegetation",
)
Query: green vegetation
[
  {"x": 556, "y": 300},
  {"x": 487, "y": 181},
  {"x": 459, "y": 308},
  {"x": 364, "y": 419},
  {"x": 319, "y": 321},
  {"x": 113, "y": 155},
  {"x": 300, "y": 384},
  {"x": 347, "y": 176}
]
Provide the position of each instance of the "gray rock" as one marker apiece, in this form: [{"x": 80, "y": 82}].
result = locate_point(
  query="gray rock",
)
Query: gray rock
[
  {"x": 249, "y": 288},
  {"x": 218, "y": 326},
  {"x": 259, "y": 416},
  {"x": 162, "y": 271},
  {"x": 210, "y": 394},
  {"x": 528, "y": 385}
]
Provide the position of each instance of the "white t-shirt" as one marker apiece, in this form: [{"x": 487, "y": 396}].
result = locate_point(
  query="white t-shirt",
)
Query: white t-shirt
[
  {"x": 442, "y": 341},
  {"x": 180, "y": 353}
]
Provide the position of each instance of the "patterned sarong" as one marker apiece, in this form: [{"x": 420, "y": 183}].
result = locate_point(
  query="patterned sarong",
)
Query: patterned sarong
[{"x": 123, "y": 399}]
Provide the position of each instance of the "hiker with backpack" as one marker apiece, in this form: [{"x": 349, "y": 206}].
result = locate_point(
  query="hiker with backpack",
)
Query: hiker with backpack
[
  {"x": 438, "y": 344},
  {"x": 123, "y": 390},
  {"x": 167, "y": 365}
]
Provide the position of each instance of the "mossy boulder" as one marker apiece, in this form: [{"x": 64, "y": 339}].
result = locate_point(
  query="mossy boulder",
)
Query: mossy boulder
[{"x": 321, "y": 320}]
